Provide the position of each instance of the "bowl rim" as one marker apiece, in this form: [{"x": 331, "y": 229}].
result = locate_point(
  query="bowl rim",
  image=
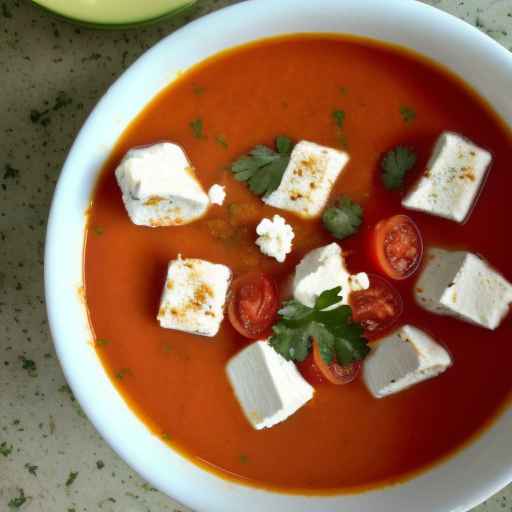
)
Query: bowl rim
[
  {"x": 430, "y": 491},
  {"x": 140, "y": 22}
]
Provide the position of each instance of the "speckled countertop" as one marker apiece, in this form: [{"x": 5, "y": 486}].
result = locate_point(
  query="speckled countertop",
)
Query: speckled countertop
[{"x": 51, "y": 75}]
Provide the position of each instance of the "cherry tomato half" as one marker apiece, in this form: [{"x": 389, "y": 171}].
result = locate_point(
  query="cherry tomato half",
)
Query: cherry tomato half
[
  {"x": 310, "y": 370},
  {"x": 334, "y": 372},
  {"x": 376, "y": 308},
  {"x": 398, "y": 246},
  {"x": 253, "y": 305}
]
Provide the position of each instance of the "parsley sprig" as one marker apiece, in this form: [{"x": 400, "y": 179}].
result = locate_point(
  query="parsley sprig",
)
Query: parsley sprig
[
  {"x": 262, "y": 168},
  {"x": 339, "y": 338},
  {"x": 343, "y": 219},
  {"x": 395, "y": 165}
]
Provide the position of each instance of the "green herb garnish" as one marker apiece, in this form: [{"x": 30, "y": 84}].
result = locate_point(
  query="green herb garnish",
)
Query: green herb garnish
[
  {"x": 338, "y": 337},
  {"x": 102, "y": 342},
  {"x": 339, "y": 117},
  {"x": 221, "y": 141},
  {"x": 5, "y": 450},
  {"x": 71, "y": 478},
  {"x": 408, "y": 114},
  {"x": 197, "y": 128},
  {"x": 29, "y": 365},
  {"x": 19, "y": 501},
  {"x": 262, "y": 168},
  {"x": 343, "y": 219},
  {"x": 31, "y": 469},
  {"x": 395, "y": 165}
]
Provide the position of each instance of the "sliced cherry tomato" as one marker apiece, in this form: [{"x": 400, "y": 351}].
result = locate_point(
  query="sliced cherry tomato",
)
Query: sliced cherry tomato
[
  {"x": 376, "y": 308},
  {"x": 253, "y": 305},
  {"x": 398, "y": 246},
  {"x": 310, "y": 371},
  {"x": 334, "y": 372}
]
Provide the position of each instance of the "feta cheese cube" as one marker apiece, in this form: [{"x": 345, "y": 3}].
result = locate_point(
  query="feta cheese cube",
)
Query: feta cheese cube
[
  {"x": 193, "y": 296},
  {"x": 308, "y": 179},
  {"x": 217, "y": 194},
  {"x": 275, "y": 237},
  {"x": 402, "y": 359},
  {"x": 452, "y": 181},
  {"x": 461, "y": 284},
  {"x": 159, "y": 186},
  {"x": 323, "y": 269},
  {"x": 268, "y": 387}
]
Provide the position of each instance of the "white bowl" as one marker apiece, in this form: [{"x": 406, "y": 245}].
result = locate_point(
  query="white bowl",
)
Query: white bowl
[{"x": 457, "y": 484}]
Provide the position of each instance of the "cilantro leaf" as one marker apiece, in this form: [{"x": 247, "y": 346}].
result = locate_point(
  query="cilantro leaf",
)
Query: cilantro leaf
[
  {"x": 263, "y": 168},
  {"x": 197, "y": 128},
  {"x": 343, "y": 219},
  {"x": 339, "y": 338},
  {"x": 395, "y": 165},
  {"x": 328, "y": 298}
]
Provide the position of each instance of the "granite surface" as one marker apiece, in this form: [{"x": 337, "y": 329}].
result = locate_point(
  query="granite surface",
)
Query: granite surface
[{"x": 51, "y": 75}]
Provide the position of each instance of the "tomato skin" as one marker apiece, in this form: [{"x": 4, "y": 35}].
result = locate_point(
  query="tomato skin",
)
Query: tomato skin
[
  {"x": 253, "y": 305},
  {"x": 378, "y": 308},
  {"x": 334, "y": 372},
  {"x": 397, "y": 246},
  {"x": 310, "y": 370}
]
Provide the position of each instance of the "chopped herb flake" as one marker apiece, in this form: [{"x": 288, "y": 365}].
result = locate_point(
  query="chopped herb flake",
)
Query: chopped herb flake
[
  {"x": 244, "y": 459},
  {"x": 197, "y": 128},
  {"x": 29, "y": 365},
  {"x": 122, "y": 373},
  {"x": 5, "y": 11},
  {"x": 198, "y": 90},
  {"x": 98, "y": 230},
  {"x": 408, "y": 114},
  {"x": 71, "y": 478},
  {"x": 19, "y": 501},
  {"x": 262, "y": 168},
  {"x": 343, "y": 219},
  {"x": 221, "y": 141},
  {"x": 5, "y": 450},
  {"x": 31, "y": 469},
  {"x": 10, "y": 172},
  {"x": 339, "y": 117},
  {"x": 395, "y": 165},
  {"x": 100, "y": 464},
  {"x": 101, "y": 342}
]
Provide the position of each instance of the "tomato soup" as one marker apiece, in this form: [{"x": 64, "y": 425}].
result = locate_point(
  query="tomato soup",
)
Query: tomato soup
[{"x": 343, "y": 439}]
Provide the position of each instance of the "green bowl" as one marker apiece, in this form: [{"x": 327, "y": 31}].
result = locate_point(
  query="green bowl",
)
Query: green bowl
[{"x": 75, "y": 12}]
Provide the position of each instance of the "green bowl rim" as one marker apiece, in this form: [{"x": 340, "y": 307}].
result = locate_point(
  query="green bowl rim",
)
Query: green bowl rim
[{"x": 188, "y": 4}]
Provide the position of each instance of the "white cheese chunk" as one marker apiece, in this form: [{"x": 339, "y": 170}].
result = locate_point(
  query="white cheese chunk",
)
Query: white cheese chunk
[
  {"x": 463, "y": 285},
  {"x": 308, "y": 179},
  {"x": 452, "y": 181},
  {"x": 159, "y": 186},
  {"x": 193, "y": 296},
  {"x": 323, "y": 269},
  {"x": 403, "y": 359},
  {"x": 268, "y": 387},
  {"x": 275, "y": 237},
  {"x": 217, "y": 194}
]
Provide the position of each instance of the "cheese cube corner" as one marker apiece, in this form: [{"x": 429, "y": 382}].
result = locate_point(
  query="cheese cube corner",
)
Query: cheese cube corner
[
  {"x": 463, "y": 285},
  {"x": 159, "y": 186},
  {"x": 268, "y": 387},
  {"x": 323, "y": 269},
  {"x": 308, "y": 179},
  {"x": 404, "y": 358},
  {"x": 453, "y": 179},
  {"x": 194, "y": 295}
]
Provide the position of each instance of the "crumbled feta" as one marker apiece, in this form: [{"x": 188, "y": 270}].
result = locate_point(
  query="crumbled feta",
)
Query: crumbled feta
[
  {"x": 217, "y": 194},
  {"x": 323, "y": 269},
  {"x": 403, "y": 359},
  {"x": 268, "y": 387},
  {"x": 159, "y": 186},
  {"x": 453, "y": 179},
  {"x": 275, "y": 237},
  {"x": 308, "y": 179},
  {"x": 193, "y": 296},
  {"x": 460, "y": 284}
]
